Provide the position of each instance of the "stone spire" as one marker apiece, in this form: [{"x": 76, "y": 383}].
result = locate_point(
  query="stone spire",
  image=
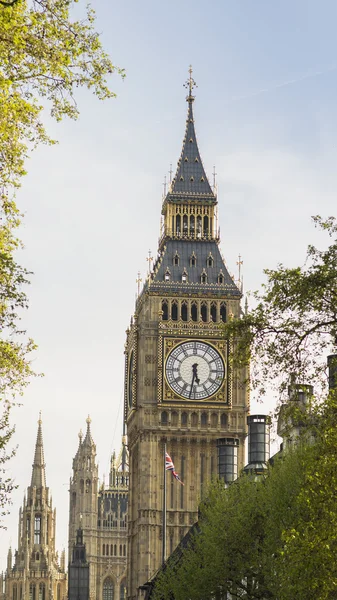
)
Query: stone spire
[
  {"x": 88, "y": 441},
  {"x": 190, "y": 178},
  {"x": 38, "y": 473}
]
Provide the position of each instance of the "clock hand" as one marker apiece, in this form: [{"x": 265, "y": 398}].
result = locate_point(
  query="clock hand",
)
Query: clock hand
[
  {"x": 195, "y": 372},
  {"x": 192, "y": 385}
]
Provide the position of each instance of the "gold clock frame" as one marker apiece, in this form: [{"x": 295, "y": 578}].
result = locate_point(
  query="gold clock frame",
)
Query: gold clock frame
[{"x": 165, "y": 392}]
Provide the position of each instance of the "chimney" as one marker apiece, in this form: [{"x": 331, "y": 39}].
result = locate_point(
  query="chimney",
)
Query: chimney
[
  {"x": 228, "y": 459},
  {"x": 258, "y": 444}
]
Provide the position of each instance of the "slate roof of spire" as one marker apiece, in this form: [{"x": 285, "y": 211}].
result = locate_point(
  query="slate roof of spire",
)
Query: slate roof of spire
[
  {"x": 38, "y": 473},
  {"x": 190, "y": 178},
  {"x": 185, "y": 249}
]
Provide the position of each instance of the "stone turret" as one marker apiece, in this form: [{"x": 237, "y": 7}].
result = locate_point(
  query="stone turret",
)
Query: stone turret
[{"x": 36, "y": 573}]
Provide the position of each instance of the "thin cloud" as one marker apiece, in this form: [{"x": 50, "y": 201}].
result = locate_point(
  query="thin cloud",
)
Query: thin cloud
[{"x": 285, "y": 83}]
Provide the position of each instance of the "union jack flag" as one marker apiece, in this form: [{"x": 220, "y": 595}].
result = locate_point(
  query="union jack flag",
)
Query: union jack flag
[{"x": 169, "y": 466}]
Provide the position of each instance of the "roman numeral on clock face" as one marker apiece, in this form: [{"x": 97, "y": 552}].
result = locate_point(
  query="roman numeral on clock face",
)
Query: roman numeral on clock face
[{"x": 195, "y": 370}]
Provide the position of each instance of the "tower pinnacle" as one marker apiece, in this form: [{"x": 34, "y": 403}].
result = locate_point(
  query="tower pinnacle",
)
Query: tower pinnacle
[
  {"x": 190, "y": 181},
  {"x": 190, "y": 84},
  {"x": 38, "y": 473}
]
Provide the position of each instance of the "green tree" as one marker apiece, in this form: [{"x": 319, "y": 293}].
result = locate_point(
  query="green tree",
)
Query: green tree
[
  {"x": 45, "y": 55},
  {"x": 294, "y": 324},
  {"x": 238, "y": 547},
  {"x": 276, "y": 537}
]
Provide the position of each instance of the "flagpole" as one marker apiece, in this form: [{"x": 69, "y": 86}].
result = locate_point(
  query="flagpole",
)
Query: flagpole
[{"x": 164, "y": 508}]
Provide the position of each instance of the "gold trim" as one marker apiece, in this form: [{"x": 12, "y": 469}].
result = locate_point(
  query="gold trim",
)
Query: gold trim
[{"x": 221, "y": 347}]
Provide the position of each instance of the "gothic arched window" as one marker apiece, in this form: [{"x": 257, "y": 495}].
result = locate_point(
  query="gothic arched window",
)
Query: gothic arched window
[
  {"x": 164, "y": 307},
  {"x": 204, "y": 312},
  {"x": 122, "y": 592},
  {"x": 194, "y": 311},
  {"x": 15, "y": 592},
  {"x": 184, "y": 419},
  {"x": 184, "y": 277},
  {"x": 223, "y": 312},
  {"x": 223, "y": 420},
  {"x": 42, "y": 591},
  {"x": 193, "y": 260},
  {"x": 37, "y": 529},
  {"x": 28, "y": 528},
  {"x": 58, "y": 597},
  {"x": 214, "y": 420},
  {"x": 194, "y": 419},
  {"x": 205, "y": 225},
  {"x": 203, "y": 419},
  {"x": 176, "y": 259},
  {"x": 174, "y": 311},
  {"x": 210, "y": 260},
  {"x": 185, "y": 224},
  {"x": 164, "y": 417},
  {"x": 108, "y": 589},
  {"x": 184, "y": 316},
  {"x": 32, "y": 591}
]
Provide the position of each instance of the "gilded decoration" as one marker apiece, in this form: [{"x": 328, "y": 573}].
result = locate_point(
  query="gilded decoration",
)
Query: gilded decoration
[{"x": 167, "y": 345}]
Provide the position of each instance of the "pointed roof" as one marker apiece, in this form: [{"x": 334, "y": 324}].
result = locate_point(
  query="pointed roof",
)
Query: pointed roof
[
  {"x": 38, "y": 473},
  {"x": 190, "y": 178},
  {"x": 88, "y": 441}
]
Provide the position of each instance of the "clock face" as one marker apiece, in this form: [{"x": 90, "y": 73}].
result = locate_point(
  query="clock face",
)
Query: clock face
[
  {"x": 195, "y": 370},
  {"x": 130, "y": 381}
]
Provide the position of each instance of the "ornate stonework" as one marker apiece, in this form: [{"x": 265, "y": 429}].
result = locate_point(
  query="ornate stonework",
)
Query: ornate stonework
[
  {"x": 101, "y": 513},
  {"x": 36, "y": 573},
  {"x": 180, "y": 387}
]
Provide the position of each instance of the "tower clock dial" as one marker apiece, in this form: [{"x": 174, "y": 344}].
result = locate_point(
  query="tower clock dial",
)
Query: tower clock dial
[{"x": 195, "y": 370}]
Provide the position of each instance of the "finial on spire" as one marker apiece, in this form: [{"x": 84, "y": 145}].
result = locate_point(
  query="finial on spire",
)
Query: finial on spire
[
  {"x": 138, "y": 282},
  {"x": 214, "y": 178},
  {"x": 239, "y": 262},
  {"x": 40, "y": 418},
  {"x": 190, "y": 85},
  {"x": 80, "y": 436},
  {"x": 88, "y": 420},
  {"x": 149, "y": 259}
]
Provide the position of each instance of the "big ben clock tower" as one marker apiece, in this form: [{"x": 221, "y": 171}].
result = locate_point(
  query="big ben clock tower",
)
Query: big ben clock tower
[{"x": 180, "y": 388}]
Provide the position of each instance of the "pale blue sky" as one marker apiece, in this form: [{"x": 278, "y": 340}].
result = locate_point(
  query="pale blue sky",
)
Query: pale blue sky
[{"x": 265, "y": 115}]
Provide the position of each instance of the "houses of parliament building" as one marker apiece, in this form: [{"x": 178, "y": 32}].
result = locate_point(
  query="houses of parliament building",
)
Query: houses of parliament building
[{"x": 180, "y": 391}]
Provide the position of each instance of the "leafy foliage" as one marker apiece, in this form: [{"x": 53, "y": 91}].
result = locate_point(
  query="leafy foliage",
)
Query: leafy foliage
[
  {"x": 45, "y": 55},
  {"x": 294, "y": 324},
  {"x": 275, "y": 537},
  {"x": 267, "y": 538}
]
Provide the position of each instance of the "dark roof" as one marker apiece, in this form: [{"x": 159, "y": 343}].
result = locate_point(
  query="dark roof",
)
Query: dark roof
[
  {"x": 190, "y": 179},
  {"x": 201, "y": 250}
]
